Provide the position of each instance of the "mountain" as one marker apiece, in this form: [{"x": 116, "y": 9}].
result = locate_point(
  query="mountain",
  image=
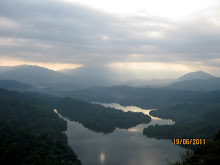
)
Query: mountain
[
  {"x": 89, "y": 76},
  {"x": 103, "y": 75},
  {"x": 36, "y": 76},
  {"x": 4, "y": 68},
  {"x": 155, "y": 83},
  {"x": 32, "y": 133},
  {"x": 14, "y": 85},
  {"x": 196, "y": 81},
  {"x": 195, "y": 75},
  {"x": 210, "y": 84}
]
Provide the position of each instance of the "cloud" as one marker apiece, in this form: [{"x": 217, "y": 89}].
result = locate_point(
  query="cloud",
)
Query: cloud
[
  {"x": 6, "y": 23},
  {"x": 58, "y": 32},
  {"x": 54, "y": 66}
]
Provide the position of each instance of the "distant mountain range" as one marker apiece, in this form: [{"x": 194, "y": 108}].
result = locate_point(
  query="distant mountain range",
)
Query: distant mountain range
[
  {"x": 84, "y": 77},
  {"x": 197, "y": 85},
  {"x": 195, "y": 75},
  {"x": 155, "y": 83},
  {"x": 89, "y": 76},
  {"x": 14, "y": 85},
  {"x": 36, "y": 76},
  {"x": 196, "y": 81}
]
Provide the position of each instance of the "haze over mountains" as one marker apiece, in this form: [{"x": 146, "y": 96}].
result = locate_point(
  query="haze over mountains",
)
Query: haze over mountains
[
  {"x": 195, "y": 75},
  {"x": 84, "y": 77},
  {"x": 166, "y": 82},
  {"x": 35, "y": 75},
  {"x": 15, "y": 85},
  {"x": 89, "y": 76},
  {"x": 198, "y": 84},
  {"x": 197, "y": 81}
]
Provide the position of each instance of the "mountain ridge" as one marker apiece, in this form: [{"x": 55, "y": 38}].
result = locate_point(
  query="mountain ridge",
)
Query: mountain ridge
[
  {"x": 210, "y": 84},
  {"x": 14, "y": 85},
  {"x": 35, "y": 75},
  {"x": 195, "y": 75}
]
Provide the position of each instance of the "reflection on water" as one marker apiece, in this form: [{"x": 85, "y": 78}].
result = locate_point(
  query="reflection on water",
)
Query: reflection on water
[
  {"x": 102, "y": 158},
  {"x": 140, "y": 127},
  {"x": 123, "y": 146},
  {"x": 55, "y": 111}
]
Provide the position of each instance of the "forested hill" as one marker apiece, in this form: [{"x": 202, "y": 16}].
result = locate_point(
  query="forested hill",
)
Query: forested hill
[
  {"x": 14, "y": 85},
  {"x": 91, "y": 116},
  {"x": 31, "y": 134},
  {"x": 196, "y": 114},
  {"x": 99, "y": 118},
  {"x": 208, "y": 154}
]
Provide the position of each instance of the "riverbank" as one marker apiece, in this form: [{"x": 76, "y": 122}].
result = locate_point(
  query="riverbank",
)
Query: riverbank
[{"x": 123, "y": 146}]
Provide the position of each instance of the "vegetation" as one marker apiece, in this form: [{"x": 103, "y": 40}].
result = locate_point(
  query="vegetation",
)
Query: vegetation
[
  {"x": 97, "y": 117},
  {"x": 196, "y": 113},
  {"x": 208, "y": 154},
  {"x": 14, "y": 85},
  {"x": 91, "y": 116},
  {"x": 31, "y": 134},
  {"x": 145, "y": 97},
  {"x": 192, "y": 121}
]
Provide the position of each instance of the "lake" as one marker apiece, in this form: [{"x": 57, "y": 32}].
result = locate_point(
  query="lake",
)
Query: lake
[{"x": 123, "y": 146}]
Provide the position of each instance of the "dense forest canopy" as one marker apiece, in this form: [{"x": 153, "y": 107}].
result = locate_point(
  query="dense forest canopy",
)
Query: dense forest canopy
[
  {"x": 30, "y": 116},
  {"x": 196, "y": 114},
  {"x": 92, "y": 116},
  {"x": 31, "y": 134},
  {"x": 205, "y": 154}
]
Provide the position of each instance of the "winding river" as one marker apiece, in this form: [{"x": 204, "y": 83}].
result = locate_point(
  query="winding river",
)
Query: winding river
[{"x": 123, "y": 146}]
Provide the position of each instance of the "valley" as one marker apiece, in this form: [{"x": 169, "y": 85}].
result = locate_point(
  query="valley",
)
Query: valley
[
  {"x": 97, "y": 116},
  {"x": 109, "y": 82}
]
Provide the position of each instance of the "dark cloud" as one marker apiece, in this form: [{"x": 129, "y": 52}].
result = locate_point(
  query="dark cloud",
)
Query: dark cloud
[{"x": 58, "y": 32}]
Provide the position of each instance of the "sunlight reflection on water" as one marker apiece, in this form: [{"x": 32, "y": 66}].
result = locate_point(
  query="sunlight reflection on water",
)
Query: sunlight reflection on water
[
  {"x": 123, "y": 146},
  {"x": 140, "y": 127},
  {"x": 102, "y": 158}
]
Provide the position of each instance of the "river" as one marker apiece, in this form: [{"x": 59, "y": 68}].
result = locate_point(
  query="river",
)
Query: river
[{"x": 123, "y": 146}]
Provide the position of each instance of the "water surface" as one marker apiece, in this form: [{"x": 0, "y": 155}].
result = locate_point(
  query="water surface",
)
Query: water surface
[{"x": 123, "y": 146}]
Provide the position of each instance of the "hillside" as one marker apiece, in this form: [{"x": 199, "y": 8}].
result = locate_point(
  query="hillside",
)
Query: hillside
[
  {"x": 37, "y": 76},
  {"x": 14, "y": 85},
  {"x": 91, "y": 116},
  {"x": 31, "y": 134},
  {"x": 196, "y": 113},
  {"x": 210, "y": 84},
  {"x": 89, "y": 76},
  {"x": 205, "y": 154}
]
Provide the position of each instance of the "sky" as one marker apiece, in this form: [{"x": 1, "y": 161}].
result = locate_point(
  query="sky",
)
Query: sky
[{"x": 148, "y": 38}]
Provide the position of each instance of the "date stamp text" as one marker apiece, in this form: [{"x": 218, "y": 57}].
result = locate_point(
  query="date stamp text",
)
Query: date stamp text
[{"x": 189, "y": 141}]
